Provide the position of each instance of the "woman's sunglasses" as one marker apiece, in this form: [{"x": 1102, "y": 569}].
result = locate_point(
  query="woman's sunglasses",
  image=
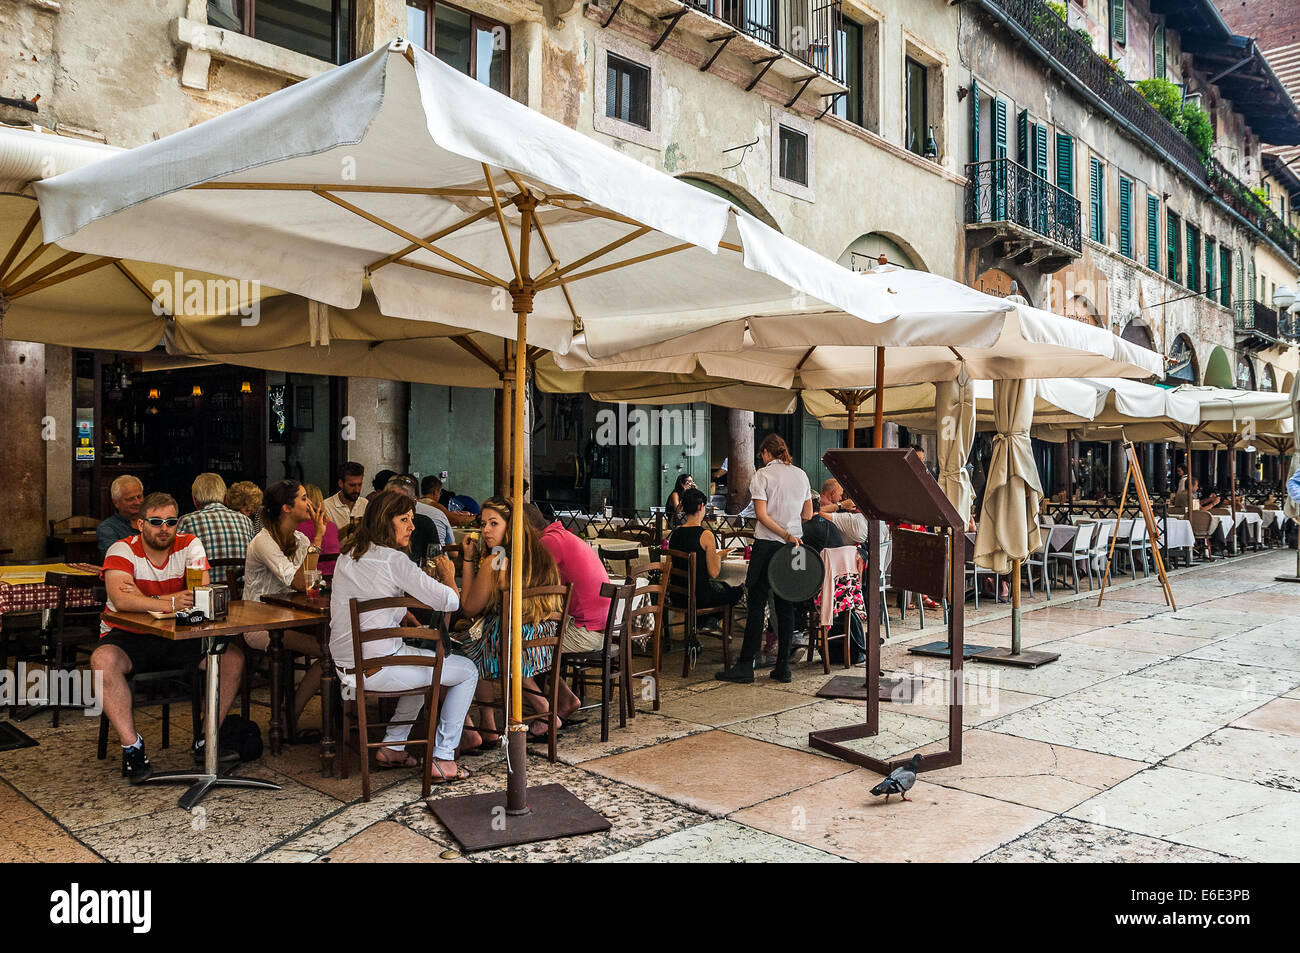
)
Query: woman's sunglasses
[{"x": 159, "y": 521}]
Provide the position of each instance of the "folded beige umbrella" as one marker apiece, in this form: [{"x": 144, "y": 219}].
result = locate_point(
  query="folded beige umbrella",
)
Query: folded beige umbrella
[{"x": 1292, "y": 505}]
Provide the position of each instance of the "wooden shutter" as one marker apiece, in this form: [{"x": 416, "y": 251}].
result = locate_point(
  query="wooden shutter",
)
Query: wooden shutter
[
  {"x": 1117, "y": 28},
  {"x": 1158, "y": 52},
  {"x": 1065, "y": 163},
  {"x": 974, "y": 121},
  {"x": 1153, "y": 233},
  {"x": 1192, "y": 276},
  {"x": 1209, "y": 268},
  {"x": 1172, "y": 251},
  {"x": 1096, "y": 206},
  {"x": 1040, "y": 150},
  {"x": 1022, "y": 139},
  {"x": 1241, "y": 272},
  {"x": 1125, "y": 217},
  {"x": 1000, "y": 129},
  {"x": 1225, "y": 276}
]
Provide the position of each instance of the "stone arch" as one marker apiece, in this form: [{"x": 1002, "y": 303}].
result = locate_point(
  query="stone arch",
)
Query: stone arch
[
  {"x": 735, "y": 194},
  {"x": 1218, "y": 369},
  {"x": 1184, "y": 368},
  {"x": 865, "y": 249},
  {"x": 1137, "y": 332},
  {"x": 1080, "y": 308},
  {"x": 1288, "y": 382},
  {"x": 1245, "y": 377},
  {"x": 1268, "y": 379}
]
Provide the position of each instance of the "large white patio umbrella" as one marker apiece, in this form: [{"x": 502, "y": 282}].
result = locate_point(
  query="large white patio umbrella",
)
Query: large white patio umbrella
[{"x": 460, "y": 206}]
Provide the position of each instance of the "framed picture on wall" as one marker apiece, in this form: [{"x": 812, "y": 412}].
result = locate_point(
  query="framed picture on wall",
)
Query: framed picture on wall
[
  {"x": 303, "y": 404},
  {"x": 277, "y": 417}
]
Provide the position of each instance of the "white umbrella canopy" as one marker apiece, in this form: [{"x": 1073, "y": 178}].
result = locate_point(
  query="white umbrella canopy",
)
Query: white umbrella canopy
[
  {"x": 1203, "y": 415},
  {"x": 400, "y": 169},
  {"x": 654, "y": 388}
]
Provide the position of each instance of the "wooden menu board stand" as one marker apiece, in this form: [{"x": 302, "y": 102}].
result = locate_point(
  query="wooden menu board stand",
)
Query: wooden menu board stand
[
  {"x": 893, "y": 486},
  {"x": 1134, "y": 476}
]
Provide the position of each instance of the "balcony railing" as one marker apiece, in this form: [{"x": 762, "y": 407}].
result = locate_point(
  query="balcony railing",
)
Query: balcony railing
[
  {"x": 1235, "y": 192},
  {"x": 1260, "y": 319},
  {"x": 1077, "y": 56},
  {"x": 1001, "y": 190},
  {"x": 803, "y": 29}
]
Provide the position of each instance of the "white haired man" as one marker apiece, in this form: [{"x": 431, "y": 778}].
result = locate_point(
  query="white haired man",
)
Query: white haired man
[
  {"x": 127, "y": 493},
  {"x": 224, "y": 533}
]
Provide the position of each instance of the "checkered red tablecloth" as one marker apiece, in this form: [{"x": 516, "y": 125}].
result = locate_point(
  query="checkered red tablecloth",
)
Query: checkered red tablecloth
[{"x": 34, "y": 596}]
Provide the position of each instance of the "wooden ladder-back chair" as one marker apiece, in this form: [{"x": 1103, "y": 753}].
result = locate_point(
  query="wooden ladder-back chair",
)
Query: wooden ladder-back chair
[{"x": 681, "y": 582}]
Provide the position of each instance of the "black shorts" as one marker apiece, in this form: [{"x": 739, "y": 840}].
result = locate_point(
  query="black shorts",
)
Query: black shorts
[{"x": 152, "y": 653}]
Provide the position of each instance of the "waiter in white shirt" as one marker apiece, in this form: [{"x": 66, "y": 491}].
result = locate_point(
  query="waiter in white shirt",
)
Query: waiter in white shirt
[{"x": 782, "y": 500}]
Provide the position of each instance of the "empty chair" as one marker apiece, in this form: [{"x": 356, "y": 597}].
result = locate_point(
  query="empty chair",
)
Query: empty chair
[
  {"x": 1099, "y": 552},
  {"x": 1076, "y": 553},
  {"x": 1038, "y": 558}
]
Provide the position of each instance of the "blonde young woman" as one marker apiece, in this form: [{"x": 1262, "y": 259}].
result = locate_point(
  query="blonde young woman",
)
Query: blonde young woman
[{"x": 484, "y": 570}]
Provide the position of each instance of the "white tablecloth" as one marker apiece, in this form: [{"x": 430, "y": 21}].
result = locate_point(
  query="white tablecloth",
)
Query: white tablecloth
[
  {"x": 1178, "y": 535},
  {"x": 1274, "y": 518}
]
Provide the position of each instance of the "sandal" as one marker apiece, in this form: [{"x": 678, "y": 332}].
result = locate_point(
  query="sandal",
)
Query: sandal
[
  {"x": 462, "y": 774},
  {"x": 385, "y": 763}
]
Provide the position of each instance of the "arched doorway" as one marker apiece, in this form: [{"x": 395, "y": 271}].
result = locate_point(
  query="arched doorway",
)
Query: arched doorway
[
  {"x": 1137, "y": 333},
  {"x": 733, "y": 193},
  {"x": 1079, "y": 308},
  {"x": 1245, "y": 373},
  {"x": 865, "y": 251},
  {"x": 1218, "y": 372},
  {"x": 1183, "y": 368},
  {"x": 1268, "y": 380}
]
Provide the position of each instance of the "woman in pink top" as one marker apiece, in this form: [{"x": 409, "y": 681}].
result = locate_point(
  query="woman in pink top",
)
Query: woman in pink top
[{"x": 329, "y": 544}]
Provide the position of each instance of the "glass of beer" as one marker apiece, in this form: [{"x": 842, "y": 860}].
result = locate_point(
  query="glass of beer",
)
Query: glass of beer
[{"x": 193, "y": 576}]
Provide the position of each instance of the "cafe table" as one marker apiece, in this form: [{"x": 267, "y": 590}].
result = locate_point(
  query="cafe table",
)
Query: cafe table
[
  {"x": 242, "y": 617},
  {"x": 23, "y": 589},
  {"x": 320, "y": 605}
]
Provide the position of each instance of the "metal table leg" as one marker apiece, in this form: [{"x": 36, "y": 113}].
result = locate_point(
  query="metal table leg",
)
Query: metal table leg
[{"x": 209, "y": 777}]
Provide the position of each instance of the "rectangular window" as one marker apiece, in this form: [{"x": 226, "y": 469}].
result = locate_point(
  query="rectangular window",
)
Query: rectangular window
[
  {"x": 1209, "y": 267},
  {"x": 848, "y": 63},
  {"x": 1065, "y": 162},
  {"x": 1193, "y": 258},
  {"x": 475, "y": 45},
  {"x": 1225, "y": 276},
  {"x": 1097, "y": 201},
  {"x": 1153, "y": 233},
  {"x": 794, "y": 155},
  {"x": 318, "y": 28},
  {"x": 917, "y": 118},
  {"x": 1126, "y": 217},
  {"x": 627, "y": 91},
  {"x": 1173, "y": 249}
]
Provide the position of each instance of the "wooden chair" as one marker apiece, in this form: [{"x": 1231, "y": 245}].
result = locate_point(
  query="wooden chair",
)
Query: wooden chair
[
  {"x": 73, "y": 524},
  {"x": 232, "y": 576},
  {"x": 554, "y": 674},
  {"x": 367, "y": 668},
  {"x": 1203, "y": 531},
  {"x": 624, "y": 556},
  {"x": 611, "y": 659},
  {"x": 824, "y": 637},
  {"x": 681, "y": 582},
  {"x": 72, "y": 629}
]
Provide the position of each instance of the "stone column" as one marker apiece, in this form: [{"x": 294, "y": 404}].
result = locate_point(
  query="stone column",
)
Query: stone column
[
  {"x": 380, "y": 410},
  {"x": 740, "y": 458},
  {"x": 22, "y": 451}
]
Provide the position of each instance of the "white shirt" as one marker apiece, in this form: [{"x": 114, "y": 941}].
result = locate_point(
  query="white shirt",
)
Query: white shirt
[
  {"x": 381, "y": 573},
  {"x": 267, "y": 570},
  {"x": 338, "y": 512},
  {"x": 852, "y": 526},
  {"x": 439, "y": 520},
  {"x": 785, "y": 488}
]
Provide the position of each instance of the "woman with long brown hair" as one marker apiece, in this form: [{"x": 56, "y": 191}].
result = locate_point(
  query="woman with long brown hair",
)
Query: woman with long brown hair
[
  {"x": 485, "y": 571},
  {"x": 375, "y": 565},
  {"x": 782, "y": 503}
]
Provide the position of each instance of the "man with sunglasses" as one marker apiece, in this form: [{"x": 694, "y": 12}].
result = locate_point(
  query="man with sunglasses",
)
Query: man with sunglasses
[{"x": 145, "y": 573}]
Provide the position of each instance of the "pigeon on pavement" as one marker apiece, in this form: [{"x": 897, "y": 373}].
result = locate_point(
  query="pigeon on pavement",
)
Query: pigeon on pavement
[{"x": 900, "y": 780}]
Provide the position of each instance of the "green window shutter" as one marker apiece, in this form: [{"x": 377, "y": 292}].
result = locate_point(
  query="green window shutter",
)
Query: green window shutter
[
  {"x": 1225, "y": 276},
  {"x": 1191, "y": 275},
  {"x": 1241, "y": 271},
  {"x": 1097, "y": 202},
  {"x": 1158, "y": 52},
  {"x": 1040, "y": 151},
  {"x": 1000, "y": 129},
  {"x": 1117, "y": 27},
  {"x": 1125, "y": 218},
  {"x": 1022, "y": 139},
  {"x": 1248, "y": 299},
  {"x": 1065, "y": 163},
  {"x": 1172, "y": 251},
  {"x": 1209, "y": 268},
  {"x": 1153, "y": 233},
  {"x": 974, "y": 121}
]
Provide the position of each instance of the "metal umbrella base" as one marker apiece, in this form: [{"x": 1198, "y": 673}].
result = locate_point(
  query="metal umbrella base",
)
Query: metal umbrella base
[
  {"x": 1024, "y": 659},
  {"x": 480, "y": 821},
  {"x": 855, "y": 687},
  {"x": 1286, "y": 578},
  {"x": 944, "y": 650}
]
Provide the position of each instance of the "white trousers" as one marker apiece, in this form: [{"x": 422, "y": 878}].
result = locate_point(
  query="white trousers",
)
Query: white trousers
[{"x": 459, "y": 679}]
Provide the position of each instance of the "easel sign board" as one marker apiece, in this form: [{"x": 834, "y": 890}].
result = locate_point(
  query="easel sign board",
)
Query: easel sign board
[
  {"x": 892, "y": 485},
  {"x": 1134, "y": 476}
]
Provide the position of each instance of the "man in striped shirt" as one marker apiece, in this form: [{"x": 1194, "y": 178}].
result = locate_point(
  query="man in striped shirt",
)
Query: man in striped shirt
[
  {"x": 224, "y": 533},
  {"x": 147, "y": 573}
]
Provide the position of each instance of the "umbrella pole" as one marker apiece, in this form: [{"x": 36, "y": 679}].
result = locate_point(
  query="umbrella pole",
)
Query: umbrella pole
[
  {"x": 852, "y": 407},
  {"x": 1015, "y": 607},
  {"x": 1232, "y": 491},
  {"x": 517, "y": 785},
  {"x": 878, "y": 437}
]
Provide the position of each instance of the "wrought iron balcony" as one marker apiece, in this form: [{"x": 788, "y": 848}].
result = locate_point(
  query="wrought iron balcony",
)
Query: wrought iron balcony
[
  {"x": 1239, "y": 196},
  {"x": 1257, "y": 327},
  {"x": 1075, "y": 55},
  {"x": 803, "y": 29},
  {"x": 1035, "y": 222}
]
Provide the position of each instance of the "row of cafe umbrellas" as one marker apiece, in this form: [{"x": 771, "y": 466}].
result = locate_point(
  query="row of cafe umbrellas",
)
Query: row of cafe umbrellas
[{"x": 398, "y": 176}]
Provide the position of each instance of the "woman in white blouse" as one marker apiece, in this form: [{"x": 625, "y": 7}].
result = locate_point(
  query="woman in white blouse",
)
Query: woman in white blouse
[
  {"x": 277, "y": 562},
  {"x": 375, "y": 565},
  {"x": 782, "y": 504}
]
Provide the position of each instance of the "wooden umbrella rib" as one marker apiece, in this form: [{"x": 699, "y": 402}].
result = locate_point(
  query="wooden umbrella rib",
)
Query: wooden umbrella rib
[
  {"x": 27, "y": 289},
  {"x": 23, "y": 265},
  {"x": 35, "y": 277},
  {"x": 460, "y": 276},
  {"x": 550, "y": 253},
  {"x": 441, "y": 233},
  {"x": 618, "y": 264},
  {"x": 20, "y": 241},
  {"x": 466, "y": 343},
  {"x": 410, "y": 237},
  {"x": 598, "y": 253},
  {"x": 139, "y": 285},
  {"x": 501, "y": 220},
  {"x": 339, "y": 187},
  {"x": 803, "y": 360}
]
